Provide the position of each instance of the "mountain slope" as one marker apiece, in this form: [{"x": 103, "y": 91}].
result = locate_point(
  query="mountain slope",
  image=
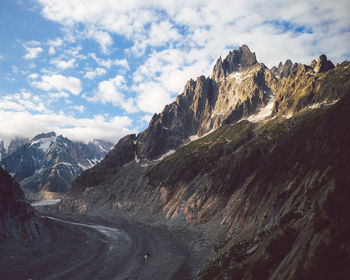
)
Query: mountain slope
[
  {"x": 272, "y": 175},
  {"x": 17, "y": 218},
  {"x": 49, "y": 163},
  {"x": 287, "y": 212}
]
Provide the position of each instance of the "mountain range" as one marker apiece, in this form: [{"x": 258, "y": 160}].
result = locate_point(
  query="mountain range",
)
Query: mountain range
[
  {"x": 47, "y": 164},
  {"x": 255, "y": 158}
]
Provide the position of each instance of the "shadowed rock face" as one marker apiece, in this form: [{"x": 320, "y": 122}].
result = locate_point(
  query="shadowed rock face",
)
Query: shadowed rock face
[
  {"x": 276, "y": 188},
  {"x": 17, "y": 218},
  {"x": 14, "y": 145},
  {"x": 323, "y": 64}
]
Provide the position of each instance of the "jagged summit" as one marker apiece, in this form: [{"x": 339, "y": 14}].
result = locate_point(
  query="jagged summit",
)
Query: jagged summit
[
  {"x": 236, "y": 60},
  {"x": 44, "y": 135},
  {"x": 283, "y": 70},
  {"x": 323, "y": 64}
]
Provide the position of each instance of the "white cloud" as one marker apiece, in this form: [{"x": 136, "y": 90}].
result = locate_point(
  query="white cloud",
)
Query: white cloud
[
  {"x": 146, "y": 118},
  {"x": 25, "y": 124},
  {"x": 59, "y": 83},
  {"x": 14, "y": 69},
  {"x": 79, "y": 108},
  {"x": 75, "y": 52},
  {"x": 110, "y": 91},
  {"x": 93, "y": 74},
  {"x": 33, "y": 76},
  {"x": 23, "y": 101},
  {"x": 32, "y": 52},
  {"x": 55, "y": 43},
  {"x": 102, "y": 62},
  {"x": 151, "y": 97},
  {"x": 52, "y": 50},
  {"x": 215, "y": 26},
  {"x": 121, "y": 62},
  {"x": 61, "y": 64},
  {"x": 108, "y": 63},
  {"x": 104, "y": 40},
  {"x": 58, "y": 95}
]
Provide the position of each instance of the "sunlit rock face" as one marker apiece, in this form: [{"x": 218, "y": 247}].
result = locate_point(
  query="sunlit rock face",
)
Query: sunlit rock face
[
  {"x": 304, "y": 88},
  {"x": 235, "y": 61},
  {"x": 261, "y": 159},
  {"x": 46, "y": 165},
  {"x": 238, "y": 88},
  {"x": 283, "y": 70}
]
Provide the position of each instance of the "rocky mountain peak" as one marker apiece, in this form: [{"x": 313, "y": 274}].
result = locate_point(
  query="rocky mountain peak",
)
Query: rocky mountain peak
[
  {"x": 283, "y": 70},
  {"x": 44, "y": 135},
  {"x": 323, "y": 64},
  {"x": 236, "y": 60},
  {"x": 313, "y": 63}
]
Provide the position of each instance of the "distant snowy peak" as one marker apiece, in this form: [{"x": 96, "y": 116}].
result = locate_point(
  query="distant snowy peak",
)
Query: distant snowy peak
[
  {"x": 102, "y": 145},
  {"x": 49, "y": 163},
  {"x": 43, "y": 143}
]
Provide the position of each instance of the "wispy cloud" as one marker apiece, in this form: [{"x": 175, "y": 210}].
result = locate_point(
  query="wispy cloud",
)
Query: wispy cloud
[
  {"x": 23, "y": 101},
  {"x": 111, "y": 91},
  {"x": 104, "y": 40},
  {"x": 26, "y": 124},
  {"x": 108, "y": 63},
  {"x": 59, "y": 83},
  {"x": 93, "y": 74},
  {"x": 62, "y": 64},
  {"x": 32, "y": 52}
]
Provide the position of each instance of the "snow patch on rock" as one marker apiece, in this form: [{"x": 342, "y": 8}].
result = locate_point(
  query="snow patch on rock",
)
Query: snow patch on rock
[{"x": 45, "y": 202}]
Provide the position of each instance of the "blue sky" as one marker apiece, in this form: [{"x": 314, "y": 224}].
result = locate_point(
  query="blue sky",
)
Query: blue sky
[{"x": 101, "y": 68}]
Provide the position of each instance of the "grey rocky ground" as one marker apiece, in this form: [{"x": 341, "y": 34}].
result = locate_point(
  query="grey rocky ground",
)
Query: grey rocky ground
[{"x": 82, "y": 252}]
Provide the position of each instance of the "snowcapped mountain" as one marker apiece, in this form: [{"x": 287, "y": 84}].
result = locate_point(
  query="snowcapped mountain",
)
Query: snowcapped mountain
[
  {"x": 48, "y": 164},
  {"x": 14, "y": 144}
]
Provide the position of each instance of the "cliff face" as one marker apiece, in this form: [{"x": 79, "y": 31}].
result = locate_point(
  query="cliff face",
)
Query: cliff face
[
  {"x": 277, "y": 186},
  {"x": 238, "y": 88},
  {"x": 307, "y": 86},
  {"x": 17, "y": 218},
  {"x": 285, "y": 200}
]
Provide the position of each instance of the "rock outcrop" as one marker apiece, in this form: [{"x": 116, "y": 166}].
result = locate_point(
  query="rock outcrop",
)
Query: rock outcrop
[
  {"x": 235, "y": 61},
  {"x": 17, "y": 218},
  {"x": 303, "y": 88},
  {"x": 283, "y": 70},
  {"x": 323, "y": 64}
]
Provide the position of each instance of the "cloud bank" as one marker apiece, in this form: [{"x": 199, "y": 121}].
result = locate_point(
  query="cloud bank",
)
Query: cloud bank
[{"x": 136, "y": 56}]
